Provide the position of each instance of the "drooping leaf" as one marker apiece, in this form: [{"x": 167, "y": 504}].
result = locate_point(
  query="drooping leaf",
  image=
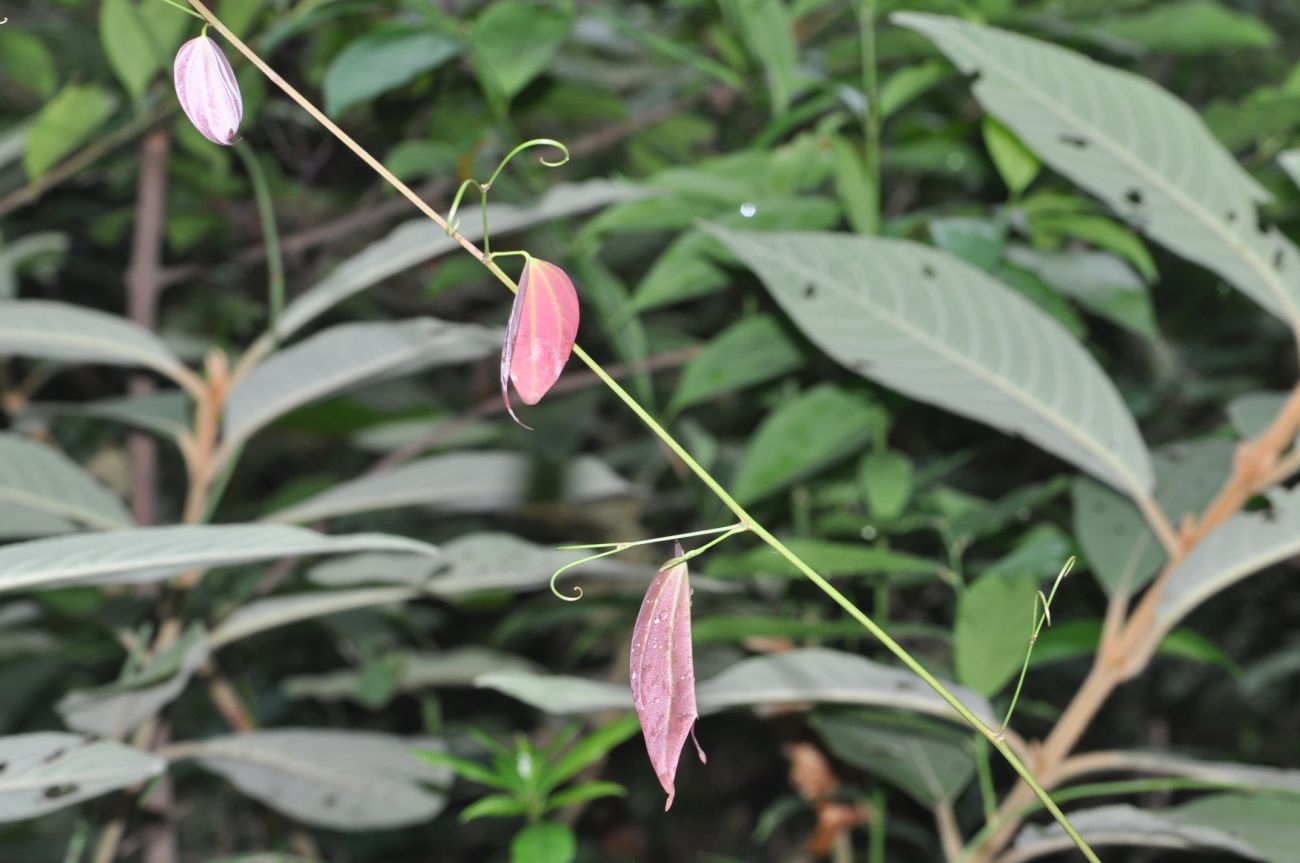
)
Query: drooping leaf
[
  {"x": 467, "y": 481},
  {"x": 57, "y": 331},
  {"x": 26, "y": 61},
  {"x": 662, "y": 672},
  {"x": 47, "y": 771},
  {"x": 382, "y": 60},
  {"x": 419, "y": 240},
  {"x": 39, "y": 478},
  {"x": 539, "y": 339},
  {"x": 340, "y": 780},
  {"x": 1155, "y": 162},
  {"x": 129, "y": 45},
  {"x": 166, "y": 413},
  {"x": 811, "y": 432},
  {"x": 345, "y": 356},
  {"x": 513, "y": 41},
  {"x": 151, "y": 553},
  {"x": 117, "y": 709},
  {"x": 920, "y": 321},
  {"x": 750, "y": 351},
  {"x": 1015, "y": 163}
]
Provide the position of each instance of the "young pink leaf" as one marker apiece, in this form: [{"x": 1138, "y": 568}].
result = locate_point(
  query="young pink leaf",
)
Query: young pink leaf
[
  {"x": 207, "y": 90},
  {"x": 539, "y": 339},
  {"x": 663, "y": 673}
]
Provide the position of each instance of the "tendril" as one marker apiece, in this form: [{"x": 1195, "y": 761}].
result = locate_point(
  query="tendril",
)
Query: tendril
[{"x": 577, "y": 591}]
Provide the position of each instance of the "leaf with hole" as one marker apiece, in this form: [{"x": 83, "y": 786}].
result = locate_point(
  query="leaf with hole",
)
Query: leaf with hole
[{"x": 47, "y": 771}]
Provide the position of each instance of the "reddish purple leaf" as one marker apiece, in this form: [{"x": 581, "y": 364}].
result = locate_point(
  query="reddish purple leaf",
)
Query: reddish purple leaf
[
  {"x": 663, "y": 673},
  {"x": 207, "y": 90},
  {"x": 543, "y": 325}
]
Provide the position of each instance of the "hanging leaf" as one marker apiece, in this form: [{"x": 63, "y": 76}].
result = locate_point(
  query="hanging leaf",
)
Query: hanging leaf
[
  {"x": 383, "y": 59},
  {"x": 1155, "y": 163},
  {"x": 46, "y": 771},
  {"x": 662, "y": 672},
  {"x": 539, "y": 339},
  {"x": 340, "y": 780},
  {"x": 65, "y": 123},
  {"x": 939, "y": 330},
  {"x": 58, "y": 331}
]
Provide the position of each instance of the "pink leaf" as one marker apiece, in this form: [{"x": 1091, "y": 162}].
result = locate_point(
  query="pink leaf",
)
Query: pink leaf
[
  {"x": 207, "y": 90},
  {"x": 663, "y": 673},
  {"x": 543, "y": 325}
]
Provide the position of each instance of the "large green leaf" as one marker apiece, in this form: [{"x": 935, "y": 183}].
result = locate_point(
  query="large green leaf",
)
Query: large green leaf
[
  {"x": 939, "y": 330},
  {"x": 37, "y": 477},
  {"x": 1142, "y": 151},
  {"x": 816, "y": 429},
  {"x": 381, "y": 60},
  {"x": 63, "y": 125},
  {"x": 345, "y": 356},
  {"x": 1120, "y": 548},
  {"x": 1270, "y": 825},
  {"x": 513, "y": 41},
  {"x": 59, "y": 331},
  {"x": 467, "y": 481},
  {"x": 340, "y": 780},
  {"x": 1122, "y": 824},
  {"x": 280, "y": 611},
  {"x": 1244, "y": 545},
  {"x": 419, "y": 240},
  {"x": 153, "y": 553},
  {"x": 131, "y": 48},
  {"x": 47, "y": 771}
]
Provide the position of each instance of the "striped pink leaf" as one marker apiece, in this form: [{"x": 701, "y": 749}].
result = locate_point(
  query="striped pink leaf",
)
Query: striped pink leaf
[
  {"x": 663, "y": 673},
  {"x": 207, "y": 90},
  {"x": 543, "y": 325}
]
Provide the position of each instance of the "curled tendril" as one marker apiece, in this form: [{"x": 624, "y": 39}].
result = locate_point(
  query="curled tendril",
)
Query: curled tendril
[
  {"x": 452, "y": 224},
  {"x": 528, "y": 145},
  {"x": 577, "y": 591}
]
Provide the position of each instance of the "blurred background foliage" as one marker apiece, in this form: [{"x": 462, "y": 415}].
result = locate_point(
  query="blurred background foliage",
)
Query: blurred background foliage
[{"x": 745, "y": 113}]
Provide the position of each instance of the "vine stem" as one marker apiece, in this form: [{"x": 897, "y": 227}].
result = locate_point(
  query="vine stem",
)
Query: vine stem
[{"x": 671, "y": 442}]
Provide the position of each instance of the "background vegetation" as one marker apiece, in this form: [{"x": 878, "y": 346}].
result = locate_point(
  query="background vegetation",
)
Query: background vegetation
[{"x": 280, "y": 676}]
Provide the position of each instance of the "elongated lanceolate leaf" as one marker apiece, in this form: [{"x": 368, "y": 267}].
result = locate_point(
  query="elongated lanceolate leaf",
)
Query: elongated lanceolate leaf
[
  {"x": 153, "y": 553},
  {"x": 543, "y": 325},
  {"x": 37, "y": 477},
  {"x": 921, "y": 321},
  {"x": 47, "y": 771},
  {"x": 1128, "y": 825},
  {"x": 341, "y": 780},
  {"x": 1135, "y": 146},
  {"x": 344, "y": 356},
  {"x": 1243, "y": 546},
  {"x": 58, "y": 331},
  {"x": 662, "y": 673},
  {"x": 283, "y": 610},
  {"x": 418, "y": 241}
]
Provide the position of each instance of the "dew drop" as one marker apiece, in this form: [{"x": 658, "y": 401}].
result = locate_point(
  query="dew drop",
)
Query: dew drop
[{"x": 748, "y": 210}]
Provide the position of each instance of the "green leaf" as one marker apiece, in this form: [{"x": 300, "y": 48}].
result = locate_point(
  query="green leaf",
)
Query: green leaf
[
  {"x": 464, "y": 768},
  {"x": 25, "y": 61},
  {"x": 130, "y": 45},
  {"x": 1098, "y": 281},
  {"x": 57, "y": 331},
  {"x": 65, "y": 123},
  {"x": 589, "y": 750},
  {"x": 47, "y": 771},
  {"x": 467, "y": 481},
  {"x": 1252, "y": 413},
  {"x": 920, "y": 321},
  {"x": 801, "y": 437},
  {"x": 927, "y": 760},
  {"x": 494, "y": 806},
  {"x": 1120, "y": 549},
  {"x": 343, "y": 357},
  {"x": 1052, "y": 227},
  {"x": 978, "y": 242},
  {"x": 1016, "y": 163},
  {"x": 857, "y": 192},
  {"x": 995, "y": 618},
  {"x": 584, "y": 792},
  {"x": 1270, "y": 825},
  {"x": 340, "y": 780},
  {"x": 1191, "y": 27},
  {"x": 145, "y": 554},
  {"x": 751, "y": 351},
  {"x": 40, "y": 478},
  {"x": 277, "y": 611},
  {"x": 548, "y": 842},
  {"x": 239, "y": 15},
  {"x": 1127, "y": 825},
  {"x": 384, "y": 59},
  {"x": 886, "y": 479},
  {"x": 768, "y": 33},
  {"x": 909, "y": 83},
  {"x": 1155, "y": 163},
  {"x": 513, "y": 42}
]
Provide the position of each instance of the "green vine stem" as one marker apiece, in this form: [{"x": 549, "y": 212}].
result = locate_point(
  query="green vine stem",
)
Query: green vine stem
[
  {"x": 671, "y": 442},
  {"x": 484, "y": 188},
  {"x": 175, "y": 4},
  {"x": 1037, "y": 628}
]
